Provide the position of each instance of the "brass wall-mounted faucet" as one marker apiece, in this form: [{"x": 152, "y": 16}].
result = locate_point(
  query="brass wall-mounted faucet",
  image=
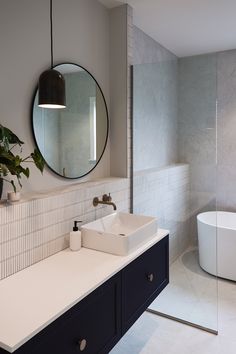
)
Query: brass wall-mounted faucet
[{"x": 106, "y": 199}]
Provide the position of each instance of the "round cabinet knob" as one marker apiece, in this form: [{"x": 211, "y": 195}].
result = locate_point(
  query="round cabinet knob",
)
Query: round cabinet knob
[
  {"x": 82, "y": 345},
  {"x": 150, "y": 277}
]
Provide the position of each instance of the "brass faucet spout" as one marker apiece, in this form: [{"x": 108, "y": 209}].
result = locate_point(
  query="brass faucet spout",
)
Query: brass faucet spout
[
  {"x": 113, "y": 204},
  {"x": 106, "y": 200}
]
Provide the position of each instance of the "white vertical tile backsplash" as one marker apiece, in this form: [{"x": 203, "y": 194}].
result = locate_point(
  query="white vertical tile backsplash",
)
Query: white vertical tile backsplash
[{"x": 34, "y": 229}]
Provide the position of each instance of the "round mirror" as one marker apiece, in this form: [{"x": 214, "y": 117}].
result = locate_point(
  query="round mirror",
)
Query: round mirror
[{"x": 72, "y": 140}]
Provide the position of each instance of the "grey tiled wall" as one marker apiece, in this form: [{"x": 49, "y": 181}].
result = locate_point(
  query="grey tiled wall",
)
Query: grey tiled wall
[
  {"x": 160, "y": 188},
  {"x": 155, "y": 103},
  {"x": 164, "y": 193},
  {"x": 226, "y": 130}
]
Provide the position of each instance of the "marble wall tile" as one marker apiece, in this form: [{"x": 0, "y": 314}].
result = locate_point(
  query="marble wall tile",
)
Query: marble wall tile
[
  {"x": 207, "y": 134},
  {"x": 197, "y": 109},
  {"x": 203, "y": 177},
  {"x": 226, "y": 187},
  {"x": 226, "y": 108},
  {"x": 147, "y": 50},
  {"x": 155, "y": 111},
  {"x": 226, "y": 120},
  {"x": 197, "y": 132},
  {"x": 155, "y": 115}
]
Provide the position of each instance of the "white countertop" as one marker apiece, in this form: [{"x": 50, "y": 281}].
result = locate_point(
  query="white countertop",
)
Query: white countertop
[{"x": 33, "y": 298}]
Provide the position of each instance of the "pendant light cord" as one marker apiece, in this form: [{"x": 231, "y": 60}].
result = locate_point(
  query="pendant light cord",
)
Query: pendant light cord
[{"x": 51, "y": 29}]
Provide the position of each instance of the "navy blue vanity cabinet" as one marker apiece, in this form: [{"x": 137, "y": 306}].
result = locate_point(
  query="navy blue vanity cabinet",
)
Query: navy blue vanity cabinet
[
  {"x": 96, "y": 323},
  {"x": 93, "y": 326},
  {"x": 143, "y": 280}
]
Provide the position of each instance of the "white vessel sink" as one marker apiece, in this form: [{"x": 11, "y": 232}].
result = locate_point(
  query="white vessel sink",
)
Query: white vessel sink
[{"x": 118, "y": 233}]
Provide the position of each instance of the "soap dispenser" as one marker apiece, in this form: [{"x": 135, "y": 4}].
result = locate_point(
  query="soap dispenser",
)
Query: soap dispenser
[{"x": 75, "y": 237}]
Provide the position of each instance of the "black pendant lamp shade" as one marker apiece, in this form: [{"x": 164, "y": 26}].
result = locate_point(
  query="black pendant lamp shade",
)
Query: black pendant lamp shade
[
  {"x": 51, "y": 89},
  {"x": 51, "y": 84}
]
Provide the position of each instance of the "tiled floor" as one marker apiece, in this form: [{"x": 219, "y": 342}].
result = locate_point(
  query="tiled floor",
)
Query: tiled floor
[
  {"x": 191, "y": 294},
  {"x": 152, "y": 334}
]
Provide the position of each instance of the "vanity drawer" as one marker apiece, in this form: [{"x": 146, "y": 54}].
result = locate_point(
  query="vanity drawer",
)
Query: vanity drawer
[
  {"x": 94, "y": 323},
  {"x": 143, "y": 280},
  {"x": 91, "y": 328}
]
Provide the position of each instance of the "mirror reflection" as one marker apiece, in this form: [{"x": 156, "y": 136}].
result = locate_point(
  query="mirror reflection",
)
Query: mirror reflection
[{"x": 72, "y": 140}]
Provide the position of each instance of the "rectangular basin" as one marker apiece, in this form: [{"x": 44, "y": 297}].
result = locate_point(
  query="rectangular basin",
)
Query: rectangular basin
[{"x": 118, "y": 233}]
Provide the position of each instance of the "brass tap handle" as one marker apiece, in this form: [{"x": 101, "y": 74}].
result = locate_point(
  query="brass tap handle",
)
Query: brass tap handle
[
  {"x": 106, "y": 198},
  {"x": 95, "y": 201}
]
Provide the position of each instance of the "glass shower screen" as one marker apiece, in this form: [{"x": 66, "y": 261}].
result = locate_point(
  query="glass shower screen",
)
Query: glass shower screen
[{"x": 174, "y": 177}]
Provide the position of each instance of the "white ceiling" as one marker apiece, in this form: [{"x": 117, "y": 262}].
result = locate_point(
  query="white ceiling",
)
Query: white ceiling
[{"x": 186, "y": 27}]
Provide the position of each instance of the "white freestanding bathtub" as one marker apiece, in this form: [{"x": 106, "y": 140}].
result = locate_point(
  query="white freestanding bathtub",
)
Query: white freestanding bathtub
[{"x": 217, "y": 243}]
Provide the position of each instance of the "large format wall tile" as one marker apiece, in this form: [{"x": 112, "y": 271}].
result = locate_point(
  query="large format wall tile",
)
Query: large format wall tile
[
  {"x": 226, "y": 170},
  {"x": 227, "y": 108},
  {"x": 155, "y": 110},
  {"x": 197, "y": 109},
  {"x": 197, "y": 134}
]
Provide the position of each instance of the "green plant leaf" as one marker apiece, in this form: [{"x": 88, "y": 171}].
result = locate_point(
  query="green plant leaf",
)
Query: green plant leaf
[
  {"x": 27, "y": 172},
  {"x": 13, "y": 185},
  {"x": 11, "y": 163},
  {"x": 17, "y": 160},
  {"x": 21, "y": 170},
  {"x": 3, "y": 170},
  {"x": 8, "y": 137},
  {"x": 9, "y": 160},
  {"x": 19, "y": 182},
  {"x": 38, "y": 160}
]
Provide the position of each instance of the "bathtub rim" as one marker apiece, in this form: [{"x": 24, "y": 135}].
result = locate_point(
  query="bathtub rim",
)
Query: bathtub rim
[{"x": 217, "y": 224}]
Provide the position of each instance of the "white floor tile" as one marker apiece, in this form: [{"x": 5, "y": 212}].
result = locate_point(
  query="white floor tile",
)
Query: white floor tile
[{"x": 191, "y": 295}]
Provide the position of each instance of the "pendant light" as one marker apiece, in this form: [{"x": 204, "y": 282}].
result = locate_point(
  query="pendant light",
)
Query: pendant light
[{"x": 51, "y": 82}]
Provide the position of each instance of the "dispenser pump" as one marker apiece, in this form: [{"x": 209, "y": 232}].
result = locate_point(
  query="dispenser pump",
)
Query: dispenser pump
[
  {"x": 75, "y": 228},
  {"x": 75, "y": 237}
]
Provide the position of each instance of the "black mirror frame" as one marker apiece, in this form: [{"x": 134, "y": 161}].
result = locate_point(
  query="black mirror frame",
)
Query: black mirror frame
[{"x": 108, "y": 126}]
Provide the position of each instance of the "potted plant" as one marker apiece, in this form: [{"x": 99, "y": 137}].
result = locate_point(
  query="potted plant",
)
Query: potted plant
[{"x": 11, "y": 162}]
